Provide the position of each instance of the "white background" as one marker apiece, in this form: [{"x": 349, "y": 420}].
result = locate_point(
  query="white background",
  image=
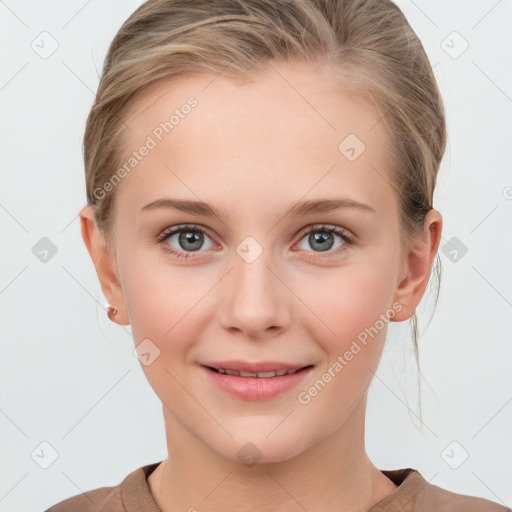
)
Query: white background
[{"x": 68, "y": 375}]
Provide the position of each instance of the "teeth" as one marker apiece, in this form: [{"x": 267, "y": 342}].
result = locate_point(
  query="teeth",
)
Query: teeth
[
  {"x": 260, "y": 375},
  {"x": 249, "y": 374}
]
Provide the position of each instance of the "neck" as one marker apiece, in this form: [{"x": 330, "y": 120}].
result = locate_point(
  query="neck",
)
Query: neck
[{"x": 334, "y": 474}]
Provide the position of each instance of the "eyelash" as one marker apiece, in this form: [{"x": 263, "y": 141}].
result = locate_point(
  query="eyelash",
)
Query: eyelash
[{"x": 323, "y": 228}]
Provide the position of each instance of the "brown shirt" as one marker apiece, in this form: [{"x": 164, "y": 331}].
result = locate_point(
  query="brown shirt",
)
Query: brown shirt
[{"x": 413, "y": 494}]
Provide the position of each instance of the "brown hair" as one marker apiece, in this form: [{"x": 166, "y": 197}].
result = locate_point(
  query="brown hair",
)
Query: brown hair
[{"x": 367, "y": 44}]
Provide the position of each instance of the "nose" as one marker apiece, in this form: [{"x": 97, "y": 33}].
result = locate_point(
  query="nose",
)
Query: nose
[{"x": 254, "y": 300}]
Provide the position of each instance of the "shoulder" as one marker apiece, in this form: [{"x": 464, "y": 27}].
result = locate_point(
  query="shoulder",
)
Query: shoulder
[
  {"x": 106, "y": 499},
  {"x": 441, "y": 500},
  {"x": 415, "y": 494},
  {"x": 117, "y": 498}
]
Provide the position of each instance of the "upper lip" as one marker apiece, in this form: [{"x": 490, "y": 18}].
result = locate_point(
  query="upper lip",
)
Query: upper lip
[{"x": 261, "y": 366}]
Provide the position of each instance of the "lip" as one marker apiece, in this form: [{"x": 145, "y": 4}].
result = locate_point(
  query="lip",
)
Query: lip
[
  {"x": 260, "y": 366},
  {"x": 254, "y": 388}
]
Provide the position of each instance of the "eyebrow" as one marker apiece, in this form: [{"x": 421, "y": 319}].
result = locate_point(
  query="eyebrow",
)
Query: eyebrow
[{"x": 302, "y": 208}]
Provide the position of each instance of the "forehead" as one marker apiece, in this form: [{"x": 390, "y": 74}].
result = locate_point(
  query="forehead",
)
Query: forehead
[{"x": 289, "y": 132}]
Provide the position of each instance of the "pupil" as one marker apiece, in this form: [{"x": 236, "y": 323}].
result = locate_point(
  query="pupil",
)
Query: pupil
[
  {"x": 190, "y": 240},
  {"x": 322, "y": 238}
]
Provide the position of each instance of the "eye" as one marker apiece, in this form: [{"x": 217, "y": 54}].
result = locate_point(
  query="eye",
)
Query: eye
[
  {"x": 187, "y": 240},
  {"x": 321, "y": 238}
]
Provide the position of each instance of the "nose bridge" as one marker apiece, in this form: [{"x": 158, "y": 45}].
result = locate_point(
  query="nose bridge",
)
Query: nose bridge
[{"x": 256, "y": 300}]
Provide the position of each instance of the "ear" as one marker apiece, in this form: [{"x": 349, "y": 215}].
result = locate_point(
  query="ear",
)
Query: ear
[
  {"x": 418, "y": 264},
  {"x": 104, "y": 263}
]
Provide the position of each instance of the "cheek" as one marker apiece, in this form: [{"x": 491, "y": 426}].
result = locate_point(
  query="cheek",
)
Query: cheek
[
  {"x": 167, "y": 305},
  {"x": 352, "y": 354},
  {"x": 164, "y": 306},
  {"x": 352, "y": 308},
  {"x": 347, "y": 300},
  {"x": 160, "y": 297}
]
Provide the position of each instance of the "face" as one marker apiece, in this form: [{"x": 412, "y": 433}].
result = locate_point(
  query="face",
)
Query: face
[{"x": 259, "y": 280}]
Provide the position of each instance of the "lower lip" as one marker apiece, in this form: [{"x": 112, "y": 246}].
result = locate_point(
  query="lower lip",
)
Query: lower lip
[{"x": 254, "y": 388}]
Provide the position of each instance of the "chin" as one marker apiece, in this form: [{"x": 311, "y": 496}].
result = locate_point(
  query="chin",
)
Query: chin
[{"x": 260, "y": 448}]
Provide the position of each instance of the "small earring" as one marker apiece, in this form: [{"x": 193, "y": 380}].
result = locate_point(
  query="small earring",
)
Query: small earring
[{"x": 112, "y": 312}]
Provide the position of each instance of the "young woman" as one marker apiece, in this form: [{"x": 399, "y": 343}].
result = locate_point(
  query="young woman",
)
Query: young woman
[{"x": 260, "y": 180}]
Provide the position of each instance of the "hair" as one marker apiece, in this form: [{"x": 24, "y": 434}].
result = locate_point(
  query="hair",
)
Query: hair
[{"x": 367, "y": 44}]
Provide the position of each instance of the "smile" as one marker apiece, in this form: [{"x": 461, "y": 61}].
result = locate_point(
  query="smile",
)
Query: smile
[
  {"x": 256, "y": 385},
  {"x": 258, "y": 375}
]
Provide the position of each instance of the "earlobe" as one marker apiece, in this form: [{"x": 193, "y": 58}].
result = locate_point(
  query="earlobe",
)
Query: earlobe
[
  {"x": 104, "y": 263},
  {"x": 419, "y": 262}
]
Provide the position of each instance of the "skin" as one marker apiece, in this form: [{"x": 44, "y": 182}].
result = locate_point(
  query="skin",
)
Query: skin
[{"x": 253, "y": 151}]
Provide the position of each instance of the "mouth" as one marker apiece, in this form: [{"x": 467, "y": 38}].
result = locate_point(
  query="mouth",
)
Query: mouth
[
  {"x": 255, "y": 381},
  {"x": 258, "y": 375}
]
